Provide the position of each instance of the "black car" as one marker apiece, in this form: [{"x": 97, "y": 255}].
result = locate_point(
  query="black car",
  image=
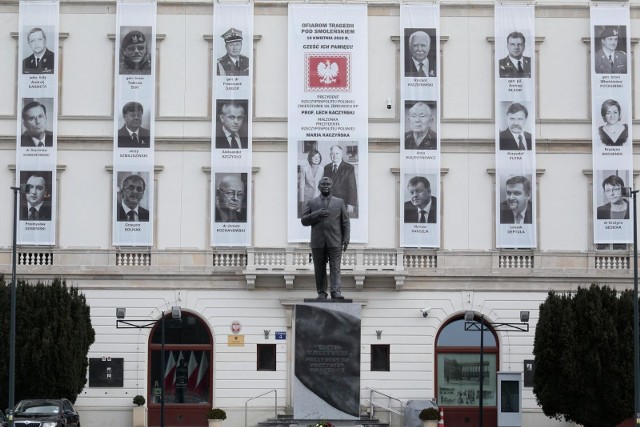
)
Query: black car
[{"x": 47, "y": 412}]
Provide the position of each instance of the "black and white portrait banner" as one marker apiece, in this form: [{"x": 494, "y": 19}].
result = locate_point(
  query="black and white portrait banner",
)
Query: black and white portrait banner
[
  {"x": 515, "y": 77},
  {"x": 37, "y": 107},
  {"x": 328, "y": 114},
  {"x": 134, "y": 124},
  {"x": 231, "y": 130},
  {"x": 611, "y": 123},
  {"x": 420, "y": 125}
]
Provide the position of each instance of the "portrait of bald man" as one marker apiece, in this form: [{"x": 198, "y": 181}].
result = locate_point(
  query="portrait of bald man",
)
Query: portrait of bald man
[{"x": 420, "y": 54}]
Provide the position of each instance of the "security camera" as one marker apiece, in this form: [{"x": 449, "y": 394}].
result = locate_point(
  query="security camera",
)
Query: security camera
[
  {"x": 425, "y": 311},
  {"x": 388, "y": 103}
]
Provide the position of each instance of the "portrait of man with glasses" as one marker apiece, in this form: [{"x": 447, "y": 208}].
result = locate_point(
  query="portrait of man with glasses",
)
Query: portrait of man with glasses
[
  {"x": 131, "y": 194},
  {"x": 231, "y": 197}
]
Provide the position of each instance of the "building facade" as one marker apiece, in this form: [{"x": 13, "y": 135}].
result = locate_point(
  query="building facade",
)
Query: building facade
[{"x": 238, "y": 302}]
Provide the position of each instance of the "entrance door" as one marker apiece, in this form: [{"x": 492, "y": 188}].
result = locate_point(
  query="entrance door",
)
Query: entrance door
[
  {"x": 186, "y": 373},
  {"x": 458, "y": 374}
]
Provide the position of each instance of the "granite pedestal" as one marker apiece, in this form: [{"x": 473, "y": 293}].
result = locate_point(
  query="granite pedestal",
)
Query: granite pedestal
[{"x": 326, "y": 383}]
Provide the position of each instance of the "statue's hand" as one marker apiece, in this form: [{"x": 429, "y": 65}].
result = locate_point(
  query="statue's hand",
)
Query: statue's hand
[
  {"x": 344, "y": 246},
  {"x": 350, "y": 209}
]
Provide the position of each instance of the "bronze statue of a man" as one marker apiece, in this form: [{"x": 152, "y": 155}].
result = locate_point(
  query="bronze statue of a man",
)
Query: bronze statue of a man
[{"x": 330, "y": 232}]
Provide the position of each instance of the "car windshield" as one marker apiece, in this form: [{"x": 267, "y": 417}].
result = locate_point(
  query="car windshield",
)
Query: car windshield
[{"x": 33, "y": 407}]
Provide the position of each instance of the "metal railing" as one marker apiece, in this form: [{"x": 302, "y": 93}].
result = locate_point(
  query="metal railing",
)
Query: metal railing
[
  {"x": 389, "y": 408},
  {"x": 275, "y": 405}
]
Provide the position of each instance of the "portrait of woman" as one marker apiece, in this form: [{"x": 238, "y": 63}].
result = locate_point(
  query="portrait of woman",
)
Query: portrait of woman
[
  {"x": 310, "y": 177},
  {"x": 613, "y": 133},
  {"x": 616, "y": 207}
]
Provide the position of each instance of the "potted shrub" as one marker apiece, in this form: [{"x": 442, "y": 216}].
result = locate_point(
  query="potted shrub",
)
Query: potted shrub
[
  {"x": 139, "y": 412},
  {"x": 216, "y": 416},
  {"x": 429, "y": 417}
]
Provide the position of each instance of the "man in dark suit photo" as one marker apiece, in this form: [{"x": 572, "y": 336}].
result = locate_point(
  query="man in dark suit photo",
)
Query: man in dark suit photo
[
  {"x": 132, "y": 191},
  {"x": 517, "y": 208},
  {"x": 609, "y": 60},
  {"x": 423, "y": 207},
  {"x": 35, "y": 207},
  {"x": 132, "y": 134},
  {"x": 418, "y": 63},
  {"x": 330, "y": 235},
  {"x": 233, "y": 64},
  {"x": 41, "y": 61},
  {"x": 34, "y": 120},
  {"x": 420, "y": 135},
  {"x": 343, "y": 180},
  {"x": 228, "y": 131},
  {"x": 514, "y": 137},
  {"x": 515, "y": 65},
  {"x": 230, "y": 197}
]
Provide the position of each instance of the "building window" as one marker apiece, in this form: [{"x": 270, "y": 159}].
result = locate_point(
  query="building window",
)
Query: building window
[
  {"x": 187, "y": 362},
  {"x": 458, "y": 365},
  {"x": 380, "y": 357},
  {"x": 266, "y": 357}
]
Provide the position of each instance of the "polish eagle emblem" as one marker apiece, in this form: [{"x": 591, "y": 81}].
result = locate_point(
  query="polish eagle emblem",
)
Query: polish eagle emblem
[{"x": 327, "y": 71}]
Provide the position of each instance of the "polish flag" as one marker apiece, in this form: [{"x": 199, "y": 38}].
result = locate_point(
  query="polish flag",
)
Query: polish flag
[
  {"x": 202, "y": 381},
  {"x": 193, "y": 365},
  {"x": 169, "y": 372}
]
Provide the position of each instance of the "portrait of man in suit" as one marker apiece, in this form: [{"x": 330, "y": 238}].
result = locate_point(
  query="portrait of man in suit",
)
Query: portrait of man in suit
[
  {"x": 515, "y": 65},
  {"x": 343, "y": 179},
  {"x": 36, "y": 205},
  {"x": 420, "y": 135},
  {"x": 132, "y": 192},
  {"x": 34, "y": 121},
  {"x": 330, "y": 234},
  {"x": 230, "y": 197},
  {"x": 233, "y": 63},
  {"x": 517, "y": 208},
  {"x": 423, "y": 207},
  {"x": 132, "y": 134},
  {"x": 608, "y": 59},
  {"x": 514, "y": 136},
  {"x": 41, "y": 61},
  {"x": 231, "y": 131},
  {"x": 420, "y": 61}
]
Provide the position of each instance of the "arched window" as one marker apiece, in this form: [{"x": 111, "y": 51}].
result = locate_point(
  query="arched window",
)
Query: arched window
[
  {"x": 187, "y": 368},
  {"x": 458, "y": 371}
]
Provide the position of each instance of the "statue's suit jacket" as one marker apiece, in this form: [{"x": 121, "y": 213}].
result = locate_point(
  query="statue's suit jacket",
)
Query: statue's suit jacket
[{"x": 331, "y": 231}]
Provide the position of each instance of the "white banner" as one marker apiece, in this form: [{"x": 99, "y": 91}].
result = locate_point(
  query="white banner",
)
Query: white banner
[
  {"x": 36, "y": 142},
  {"x": 420, "y": 125},
  {"x": 231, "y": 125},
  {"x": 515, "y": 77},
  {"x": 611, "y": 123},
  {"x": 134, "y": 124},
  {"x": 328, "y": 114}
]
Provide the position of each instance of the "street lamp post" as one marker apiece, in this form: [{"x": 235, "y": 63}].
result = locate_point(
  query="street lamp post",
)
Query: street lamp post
[
  {"x": 12, "y": 319},
  {"x": 122, "y": 323},
  {"x": 470, "y": 324}
]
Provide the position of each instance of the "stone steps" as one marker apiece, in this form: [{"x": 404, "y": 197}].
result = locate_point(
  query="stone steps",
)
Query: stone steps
[{"x": 289, "y": 421}]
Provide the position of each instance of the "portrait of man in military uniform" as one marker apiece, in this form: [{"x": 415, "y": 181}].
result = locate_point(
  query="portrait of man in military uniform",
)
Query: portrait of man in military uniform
[
  {"x": 609, "y": 59},
  {"x": 233, "y": 63},
  {"x": 135, "y": 57},
  {"x": 41, "y": 60}
]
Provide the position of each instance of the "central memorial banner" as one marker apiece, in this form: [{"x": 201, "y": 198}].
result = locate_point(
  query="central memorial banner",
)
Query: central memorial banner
[
  {"x": 328, "y": 114},
  {"x": 327, "y": 361}
]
